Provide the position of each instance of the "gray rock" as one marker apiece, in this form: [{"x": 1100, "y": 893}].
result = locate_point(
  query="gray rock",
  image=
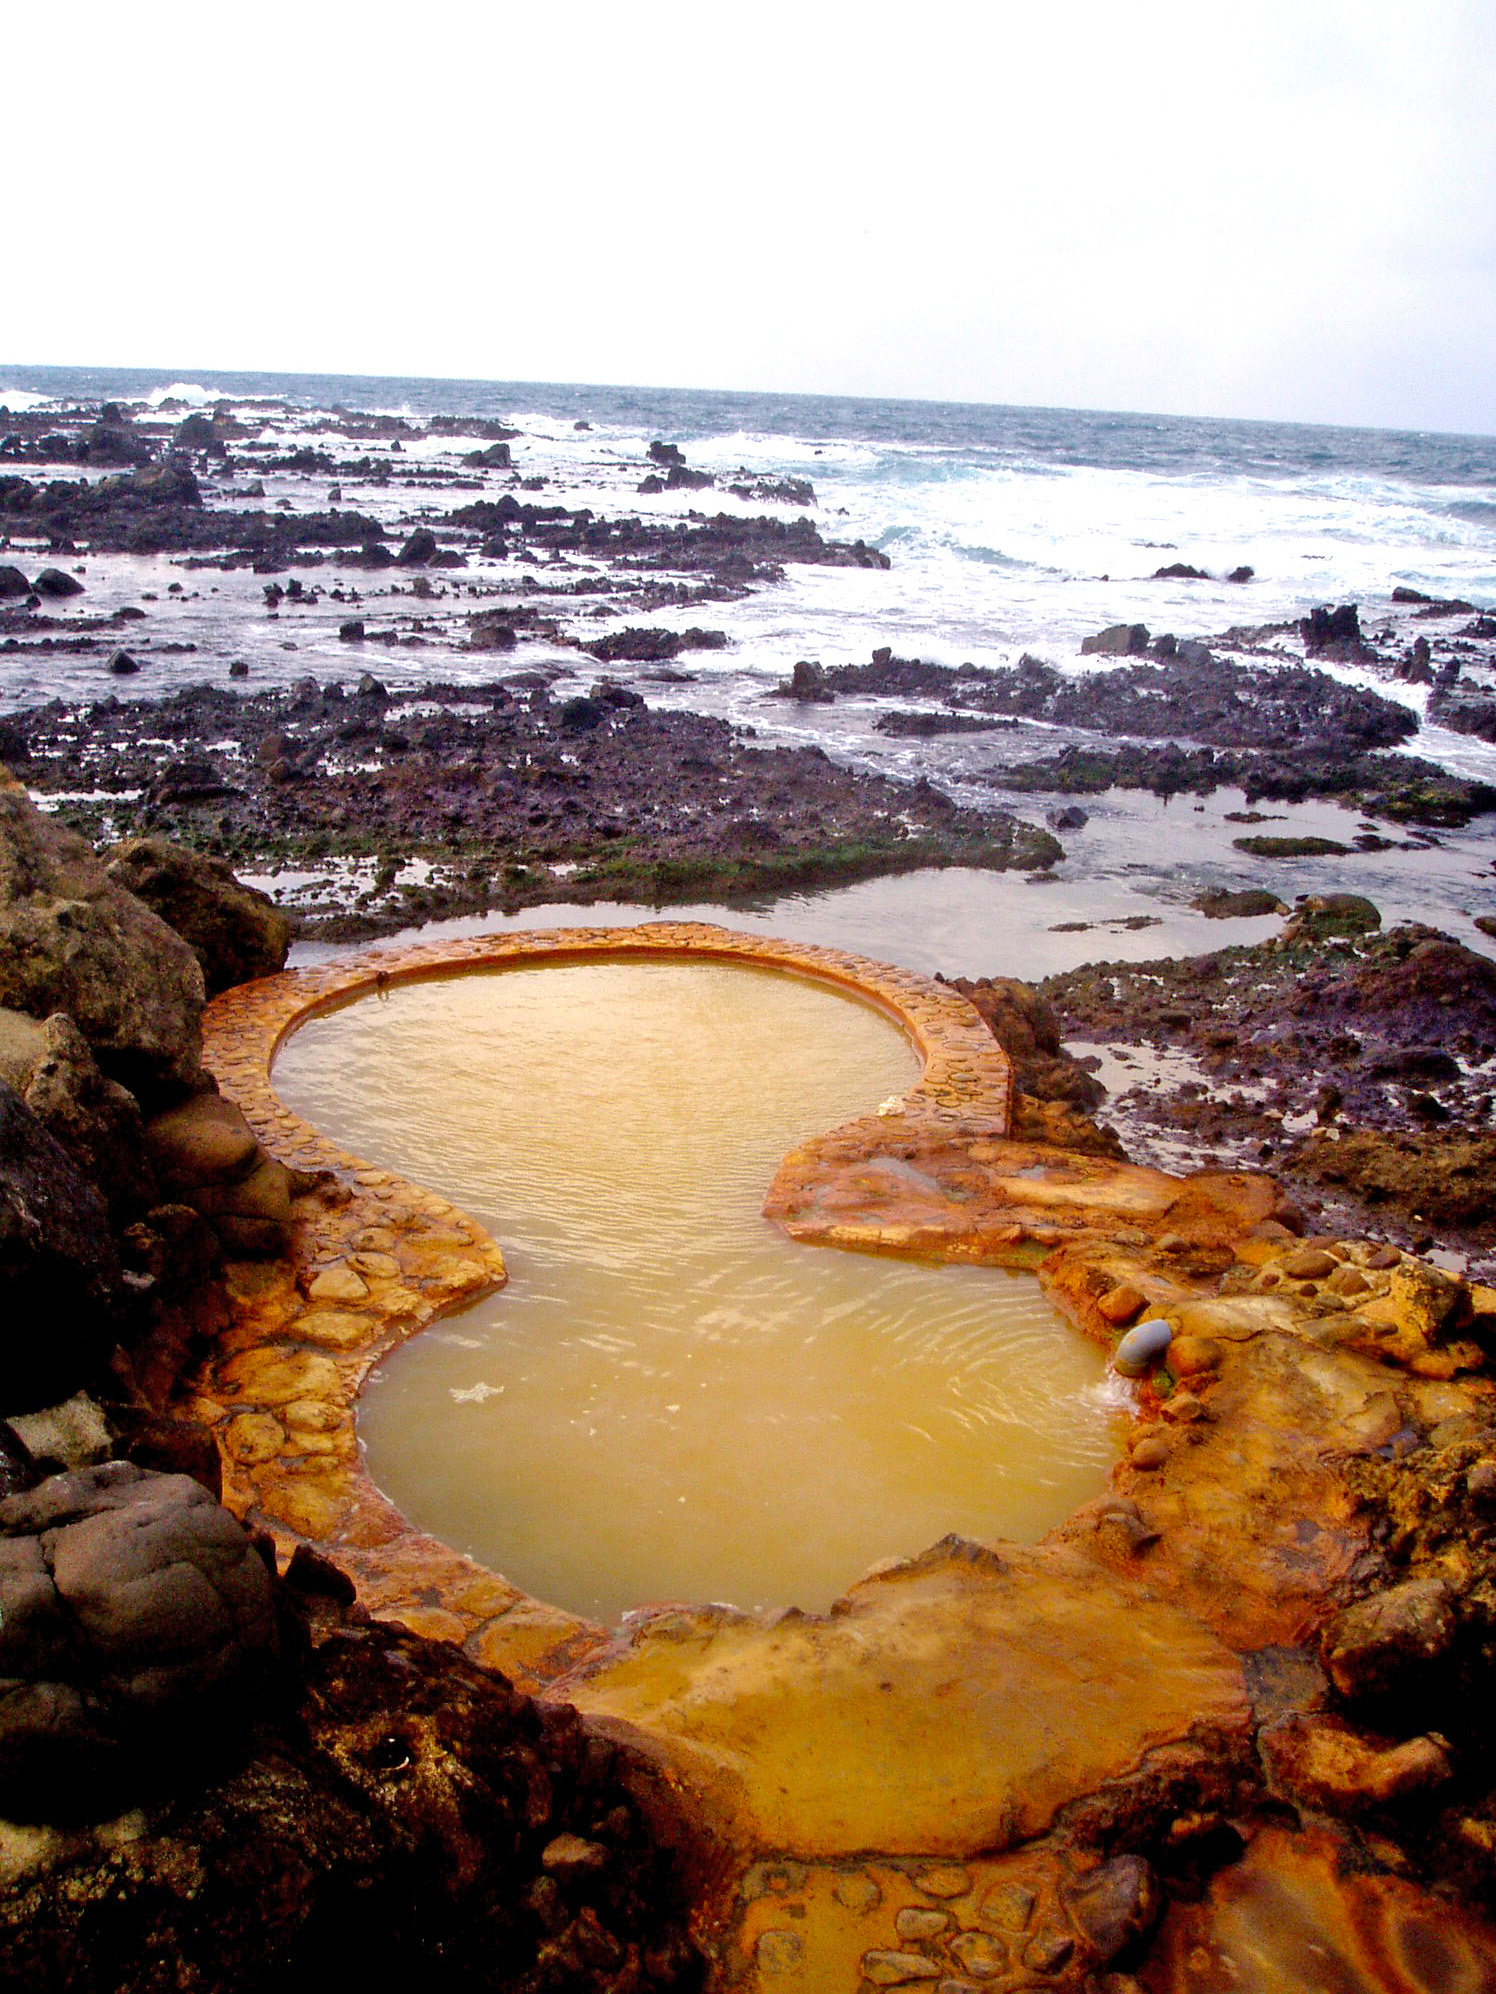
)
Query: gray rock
[
  {"x": 73, "y": 940},
  {"x": 13, "y": 583},
  {"x": 136, "y": 1621},
  {"x": 235, "y": 931},
  {"x": 54, "y": 582},
  {"x": 61, "y": 1290},
  {"x": 1142, "y": 1347}
]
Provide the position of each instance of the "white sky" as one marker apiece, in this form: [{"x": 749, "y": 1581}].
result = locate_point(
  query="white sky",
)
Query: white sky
[{"x": 1261, "y": 209}]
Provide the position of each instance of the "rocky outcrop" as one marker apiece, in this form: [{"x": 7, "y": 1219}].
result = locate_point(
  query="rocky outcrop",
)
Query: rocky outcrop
[
  {"x": 135, "y": 1621},
  {"x": 1119, "y": 640},
  {"x": 206, "y": 1155},
  {"x": 72, "y": 940},
  {"x": 235, "y": 931},
  {"x": 97, "y": 1121},
  {"x": 1054, "y": 1096},
  {"x": 404, "y": 1818},
  {"x": 61, "y": 1296}
]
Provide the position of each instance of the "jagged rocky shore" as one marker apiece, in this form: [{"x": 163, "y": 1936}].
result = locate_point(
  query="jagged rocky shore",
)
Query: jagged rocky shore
[{"x": 213, "y": 1776}]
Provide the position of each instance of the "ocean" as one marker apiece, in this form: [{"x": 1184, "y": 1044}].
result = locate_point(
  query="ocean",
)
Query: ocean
[{"x": 1007, "y": 531}]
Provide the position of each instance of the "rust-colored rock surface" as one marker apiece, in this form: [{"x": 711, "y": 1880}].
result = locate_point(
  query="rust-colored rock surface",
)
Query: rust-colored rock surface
[{"x": 983, "y": 1766}]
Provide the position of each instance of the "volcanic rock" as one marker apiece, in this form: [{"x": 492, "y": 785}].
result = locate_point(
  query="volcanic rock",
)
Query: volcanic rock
[
  {"x": 134, "y": 1618},
  {"x": 73, "y": 940},
  {"x": 60, "y": 1283},
  {"x": 235, "y": 931}
]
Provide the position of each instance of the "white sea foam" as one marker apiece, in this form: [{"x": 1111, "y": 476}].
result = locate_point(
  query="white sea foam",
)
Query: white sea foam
[
  {"x": 18, "y": 400},
  {"x": 183, "y": 391}
]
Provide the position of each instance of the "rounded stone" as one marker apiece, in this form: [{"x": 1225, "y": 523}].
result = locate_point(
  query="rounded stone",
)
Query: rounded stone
[
  {"x": 252, "y": 1437},
  {"x": 1121, "y": 1304},
  {"x": 779, "y": 1951},
  {"x": 1310, "y": 1263},
  {"x": 916, "y": 1921},
  {"x": 1184, "y": 1409},
  {"x": 1142, "y": 1347},
  {"x": 1150, "y": 1452}
]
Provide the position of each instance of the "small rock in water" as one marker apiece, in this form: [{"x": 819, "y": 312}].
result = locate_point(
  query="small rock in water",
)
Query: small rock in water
[
  {"x": 1142, "y": 1347},
  {"x": 123, "y": 665}
]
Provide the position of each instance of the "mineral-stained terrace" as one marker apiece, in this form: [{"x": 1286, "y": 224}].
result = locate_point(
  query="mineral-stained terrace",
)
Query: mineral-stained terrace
[{"x": 969, "y": 1772}]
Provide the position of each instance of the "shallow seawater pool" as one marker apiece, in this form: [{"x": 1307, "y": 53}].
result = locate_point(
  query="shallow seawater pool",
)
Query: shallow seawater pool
[{"x": 670, "y": 1399}]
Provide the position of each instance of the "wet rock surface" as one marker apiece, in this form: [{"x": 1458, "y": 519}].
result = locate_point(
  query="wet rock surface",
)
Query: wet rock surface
[
  {"x": 516, "y": 797},
  {"x": 1355, "y": 1064}
]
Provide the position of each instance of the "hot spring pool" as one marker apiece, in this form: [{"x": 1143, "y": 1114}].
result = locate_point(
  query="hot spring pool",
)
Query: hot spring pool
[{"x": 671, "y": 1400}]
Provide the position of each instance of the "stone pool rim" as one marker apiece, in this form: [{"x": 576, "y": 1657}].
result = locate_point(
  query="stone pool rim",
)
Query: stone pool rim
[{"x": 310, "y": 1350}]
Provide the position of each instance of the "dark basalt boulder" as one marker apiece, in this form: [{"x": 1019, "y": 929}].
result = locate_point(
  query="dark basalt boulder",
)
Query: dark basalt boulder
[
  {"x": 1464, "y": 713},
  {"x": 1180, "y": 571},
  {"x": 418, "y": 549},
  {"x": 236, "y": 932},
  {"x": 136, "y": 1623},
  {"x": 53, "y": 582},
  {"x": 495, "y": 458},
  {"x": 61, "y": 1292},
  {"x": 13, "y": 584},
  {"x": 72, "y": 939},
  {"x": 1119, "y": 640},
  {"x": 806, "y": 684},
  {"x": 1334, "y": 634}
]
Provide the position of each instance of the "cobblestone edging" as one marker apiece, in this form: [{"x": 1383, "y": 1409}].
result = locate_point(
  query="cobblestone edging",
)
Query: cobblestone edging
[{"x": 376, "y": 1259}]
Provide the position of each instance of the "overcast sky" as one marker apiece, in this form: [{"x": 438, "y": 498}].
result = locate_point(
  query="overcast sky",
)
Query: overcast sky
[{"x": 1282, "y": 210}]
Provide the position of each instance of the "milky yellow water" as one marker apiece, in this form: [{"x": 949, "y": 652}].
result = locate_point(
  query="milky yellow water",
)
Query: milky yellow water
[{"x": 671, "y": 1400}]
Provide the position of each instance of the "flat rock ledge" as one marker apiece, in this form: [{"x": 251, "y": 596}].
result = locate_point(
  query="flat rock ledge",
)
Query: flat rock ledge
[{"x": 1171, "y": 1741}]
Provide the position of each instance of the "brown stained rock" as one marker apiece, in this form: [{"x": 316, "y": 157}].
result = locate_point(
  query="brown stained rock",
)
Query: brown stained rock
[
  {"x": 969, "y": 1681},
  {"x": 1118, "y": 1306},
  {"x": 1310, "y": 1263},
  {"x": 1326, "y": 1762},
  {"x": 1114, "y": 1905},
  {"x": 899, "y": 1969},
  {"x": 1294, "y": 1918},
  {"x": 1374, "y": 1646},
  {"x": 1194, "y": 1356},
  {"x": 1256, "y": 1525},
  {"x": 204, "y": 1141}
]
